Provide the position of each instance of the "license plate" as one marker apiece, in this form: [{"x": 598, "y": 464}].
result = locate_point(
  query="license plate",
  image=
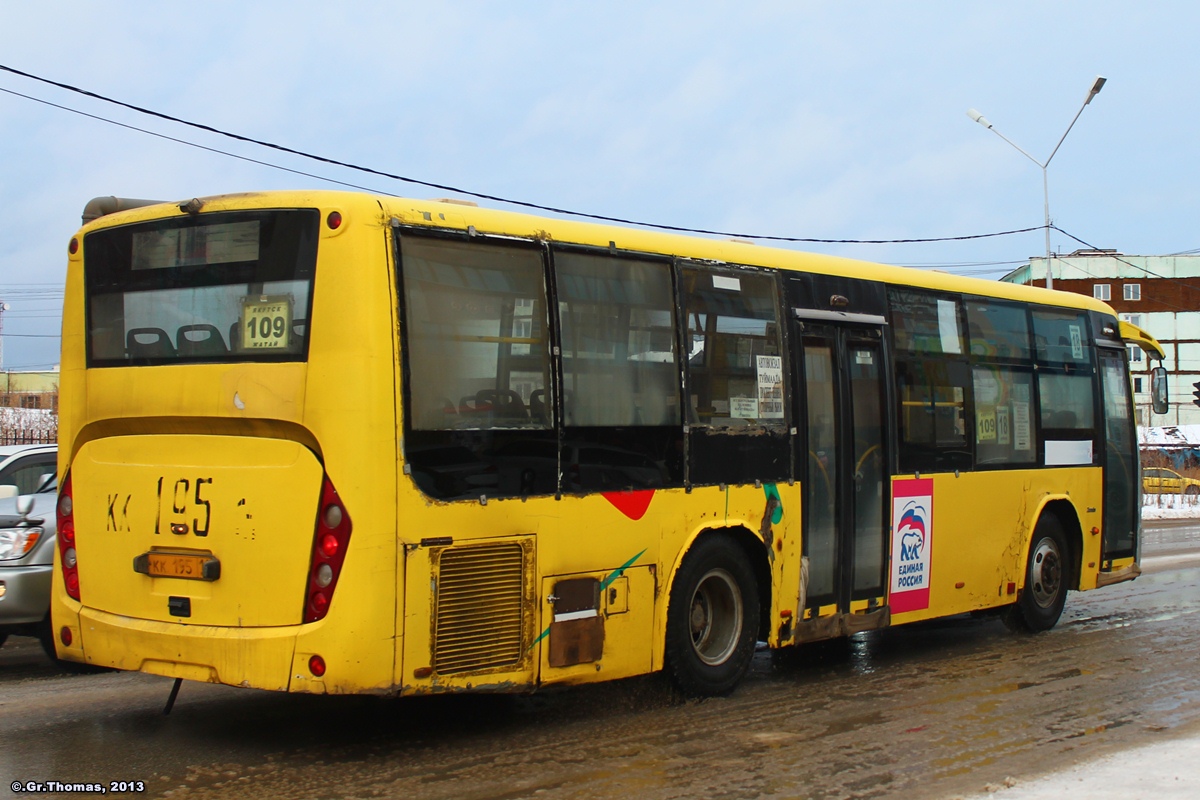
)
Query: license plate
[{"x": 188, "y": 566}]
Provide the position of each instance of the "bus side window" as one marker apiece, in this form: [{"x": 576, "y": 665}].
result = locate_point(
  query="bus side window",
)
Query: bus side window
[
  {"x": 477, "y": 350},
  {"x": 934, "y": 386},
  {"x": 618, "y": 342},
  {"x": 1003, "y": 383},
  {"x": 733, "y": 335},
  {"x": 998, "y": 330},
  {"x": 467, "y": 335},
  {"x": 1066, "y": 387},
  {"x": 1003, "y": 422},
  {"x": 620, "y": 372},
  {"x": 737, "y": 393}
]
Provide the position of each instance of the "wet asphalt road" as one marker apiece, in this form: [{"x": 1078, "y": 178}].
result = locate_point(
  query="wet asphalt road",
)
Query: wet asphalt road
[{"x": 928, "y": 711}]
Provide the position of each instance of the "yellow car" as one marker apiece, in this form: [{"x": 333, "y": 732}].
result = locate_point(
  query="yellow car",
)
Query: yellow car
[{"x": 1159, "y": 480}]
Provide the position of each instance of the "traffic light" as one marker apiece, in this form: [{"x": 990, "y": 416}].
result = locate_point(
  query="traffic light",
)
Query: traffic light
[{"x": 1196, "y": 394}]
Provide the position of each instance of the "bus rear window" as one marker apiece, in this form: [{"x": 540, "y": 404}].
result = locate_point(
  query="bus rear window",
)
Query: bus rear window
[{"x": 216, "y": 287}]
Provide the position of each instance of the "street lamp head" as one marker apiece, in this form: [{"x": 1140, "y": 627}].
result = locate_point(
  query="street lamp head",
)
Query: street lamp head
[
  {"x": 977, "y": 117},
  {"x": 1096, "y": 87}
]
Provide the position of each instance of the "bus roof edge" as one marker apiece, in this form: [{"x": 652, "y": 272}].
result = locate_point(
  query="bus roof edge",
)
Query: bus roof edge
[{"x": 102, "y": 206}]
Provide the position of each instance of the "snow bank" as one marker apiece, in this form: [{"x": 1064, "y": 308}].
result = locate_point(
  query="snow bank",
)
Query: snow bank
[{"x": 1169, "y": 506}]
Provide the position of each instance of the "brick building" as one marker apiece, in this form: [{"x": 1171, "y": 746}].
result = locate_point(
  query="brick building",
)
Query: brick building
[
  {"x": 1158, "y": 293},
  {"x": 29, "y": 390}
]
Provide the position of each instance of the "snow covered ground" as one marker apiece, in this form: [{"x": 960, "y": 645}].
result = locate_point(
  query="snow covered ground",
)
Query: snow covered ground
[
  {"x": 1164, "y": 771},
  {"x": 1169, "y": 506}
]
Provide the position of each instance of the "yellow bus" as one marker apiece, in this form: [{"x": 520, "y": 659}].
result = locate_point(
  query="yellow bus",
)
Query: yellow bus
[{"x": 337, "y": 443}]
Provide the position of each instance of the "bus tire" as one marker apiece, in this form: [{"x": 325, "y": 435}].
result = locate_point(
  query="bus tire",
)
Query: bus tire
[
  {"x": 712, "y": 619},
  {"x": 45, "y": 635},
  {"x": 1045, "y": 593}
]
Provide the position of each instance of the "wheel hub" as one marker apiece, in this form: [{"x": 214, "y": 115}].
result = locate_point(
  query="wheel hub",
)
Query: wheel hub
[
  {"x": 1046, "y": 575},
  {"x": 715, "y": 617}
]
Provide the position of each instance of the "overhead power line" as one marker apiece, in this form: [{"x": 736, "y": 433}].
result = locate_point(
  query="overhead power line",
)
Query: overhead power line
[
  {"x": 432, "y": 185},
  {"x": 1127, "y": 262},
  {"x": 189, "y": 144},
  {"x": 1114, "y": 256}
]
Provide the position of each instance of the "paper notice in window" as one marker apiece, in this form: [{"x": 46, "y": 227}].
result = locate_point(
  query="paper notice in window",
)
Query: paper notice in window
[
  {"x": 1076, "y": 342},
  {"x": 770, "y": 387},
  {"x": 1021, "y": 431},
  {"x": 985, "y": 424},
  {"x": 948, "y": 326},
  {"x": 743, "y": 408}
]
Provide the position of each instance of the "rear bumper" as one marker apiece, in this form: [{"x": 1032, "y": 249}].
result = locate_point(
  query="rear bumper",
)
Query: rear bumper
[
  {"x": 259, "y": 658},
  {"x": 24, "y": 594}
]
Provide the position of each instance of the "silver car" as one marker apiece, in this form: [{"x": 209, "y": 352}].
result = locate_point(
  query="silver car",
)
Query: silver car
[{"x": 27, "y": 542}]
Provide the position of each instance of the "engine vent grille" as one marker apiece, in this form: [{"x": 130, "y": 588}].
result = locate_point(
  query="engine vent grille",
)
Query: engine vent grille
[{"x": 478, "y": 620}]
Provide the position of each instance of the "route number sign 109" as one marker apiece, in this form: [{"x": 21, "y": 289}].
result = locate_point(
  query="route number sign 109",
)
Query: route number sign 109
[{"x": 266, "y": 322}]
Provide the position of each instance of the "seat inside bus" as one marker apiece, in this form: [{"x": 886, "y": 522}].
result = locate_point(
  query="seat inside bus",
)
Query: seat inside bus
[
  {"x": 502, "y": 404},
  {"x": 200, "y": 340},
  {"x": 537, "y": 406},
  {"x": 148, "y": 343}
]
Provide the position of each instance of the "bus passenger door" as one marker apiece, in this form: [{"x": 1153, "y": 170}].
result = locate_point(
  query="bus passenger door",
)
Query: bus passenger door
[
  {"x": 844, "y": 474},
  {"x": 1121, "y": 490}
]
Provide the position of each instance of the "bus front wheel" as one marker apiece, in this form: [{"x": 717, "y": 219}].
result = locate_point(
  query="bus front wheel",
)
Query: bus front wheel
[
  {"x": 1045, "y": 593},
  {"x": 712, "y": 619}
]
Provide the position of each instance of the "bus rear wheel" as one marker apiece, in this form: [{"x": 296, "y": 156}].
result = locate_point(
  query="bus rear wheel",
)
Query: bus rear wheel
[
  {"x": 712, "y": 619},
  {"x": 1046, "y": 580}
]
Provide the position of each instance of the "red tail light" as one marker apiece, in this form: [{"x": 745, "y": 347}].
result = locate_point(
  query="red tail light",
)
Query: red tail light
[
  {"x": 330, "y": 539},
  {"x": 66, "y": 539}
]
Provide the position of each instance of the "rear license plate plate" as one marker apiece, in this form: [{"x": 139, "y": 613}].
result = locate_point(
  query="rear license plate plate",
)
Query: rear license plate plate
[{"x": 188, "y": 566}]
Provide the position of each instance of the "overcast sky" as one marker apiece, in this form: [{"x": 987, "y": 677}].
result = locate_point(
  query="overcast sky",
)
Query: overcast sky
[{"x": 806, "y": 119}]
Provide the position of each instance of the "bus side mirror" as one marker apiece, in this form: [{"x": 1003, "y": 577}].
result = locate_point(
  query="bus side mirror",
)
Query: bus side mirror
[{"x": 1158, "y": 389}]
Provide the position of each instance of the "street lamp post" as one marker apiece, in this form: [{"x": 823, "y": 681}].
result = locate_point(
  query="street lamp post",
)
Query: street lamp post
[{"x": 1097, "y": 85}]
